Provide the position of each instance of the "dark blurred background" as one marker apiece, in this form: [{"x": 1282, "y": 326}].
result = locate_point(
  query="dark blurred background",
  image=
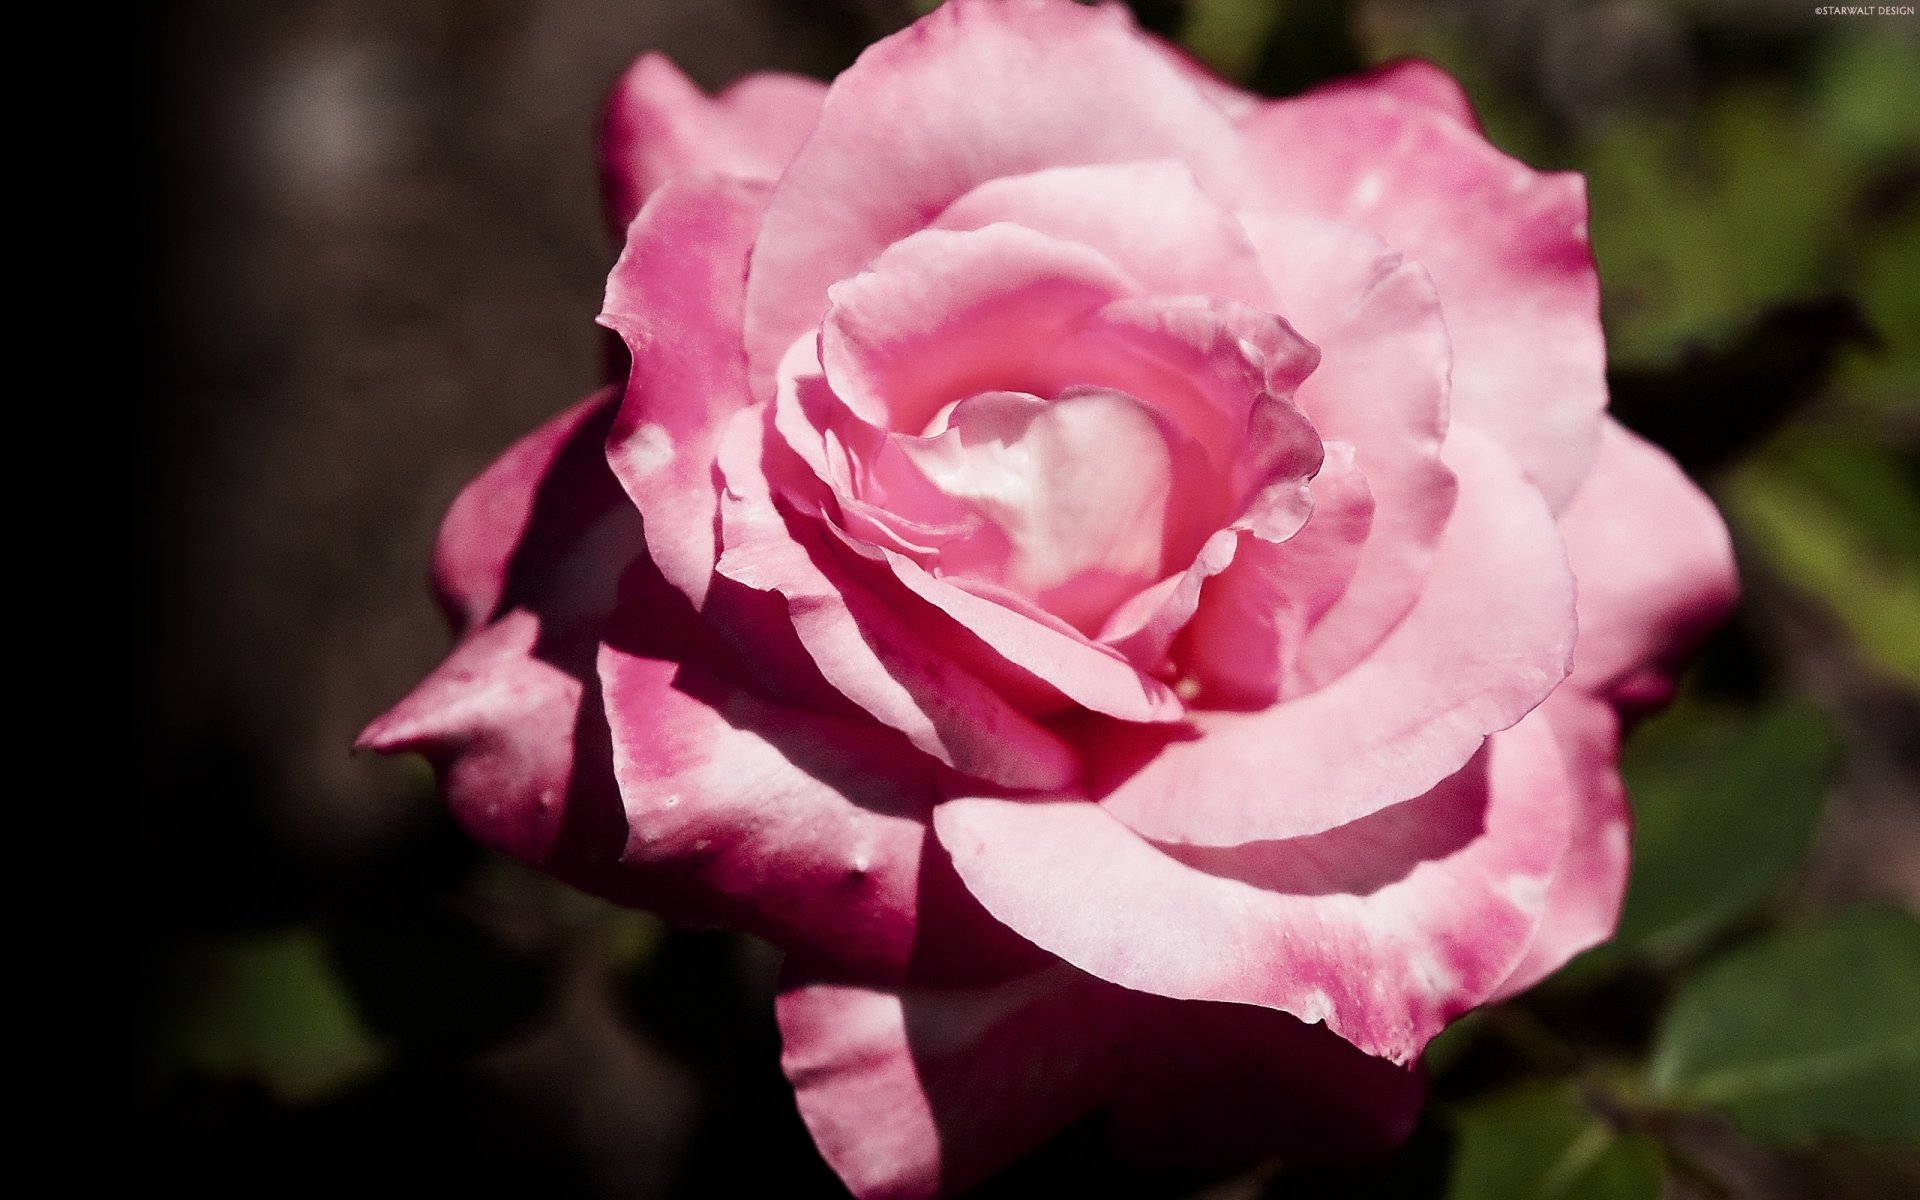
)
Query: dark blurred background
[{"x": 379, "y": 257}]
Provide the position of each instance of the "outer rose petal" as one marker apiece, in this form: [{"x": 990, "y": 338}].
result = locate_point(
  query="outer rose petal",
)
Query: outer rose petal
[
  {"x": 658, "y": 125},
  {"x": 484, "y": 534},
  {"x": 1656, "y": 572},
  {"x": 674, "y": 298},
  {"x": 922, "y": 1092},
  {"x": 1655, "y": 567},
  {"x": 1583, "y": 903},
  {"x": 1507, "y": 247},
  {"x": 521, "y": 750},
  {"x": 1229, "y": 1082},
  {"x": 1415, "y": 82},
  {"x": 977, "y": 90},
  {"x": 528, "y": 559},
  {"x": 1385, "y": 929},
  {"x": 1488, "y": 639},
  {"x": 919, "y": 1092},
  {"x": 805, "y": 829}
]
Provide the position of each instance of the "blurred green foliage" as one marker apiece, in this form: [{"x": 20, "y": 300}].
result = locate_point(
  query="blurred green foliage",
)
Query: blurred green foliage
[
  {"x": 1838, "y": 516},
  {"x": 1725, "y": 802},
  {"x": 1541, "y": 1140},
  {"x": 1813, "y": 1029},
  {"x": 268, "y": 1010}
]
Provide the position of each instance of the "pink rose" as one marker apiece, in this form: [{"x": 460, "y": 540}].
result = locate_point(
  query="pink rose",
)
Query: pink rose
[{"x": 1129, "y": 584}]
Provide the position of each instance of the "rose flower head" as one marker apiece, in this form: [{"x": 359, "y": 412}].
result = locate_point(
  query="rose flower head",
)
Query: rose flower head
[{"x": 1129, "y": 584}]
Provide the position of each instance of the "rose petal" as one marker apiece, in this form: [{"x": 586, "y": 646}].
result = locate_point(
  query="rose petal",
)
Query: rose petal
[
  {"x": 520, "y": 747},
  {"x": 1413, "y": 81},
  {"x": 942, "y": 315},
  {"x": 528, "y": 560},
  {"x": 970, "y": 93},
  {"x": 1205, "y": 1083},
  {"x": 483, "y": 546},
  {"x": 1385, "y": 928},
  {"x": 1080, "y": 536},
  {"x": 1144, "y": 628},
  {"x": 865, "y": 647},
  {"x": 1211, "y": 365},
  {"x": 1029, "y": 655},
  {"x": 1150, "y": 218},
  {"x": 1093, "y": 676},
  {"x": 916, "y": 1092},
  {"x": 1583, "y": 902},
  {"x": 1655, "y": 566},
  {"x": 923, "y": 1092},
  {"x": 657, "y": 124},
  {"x": 1506, "y": 246},
  {"x": 1382, "y": 386},
  {"x": 805, "y": 829},
  {"x": 674, "y": 298},
  {"x": 1656, "y": 572},
  {"x": 1488, "y": 639},
  {"x": 1255, "y": 615}
]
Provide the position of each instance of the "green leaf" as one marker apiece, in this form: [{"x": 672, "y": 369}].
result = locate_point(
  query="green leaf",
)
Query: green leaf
[
  {"x": 269, "y": 1009},
  {"x": 1815, "y": 1030},
  {"x": 1839, "y": 516},
  {"x": 1540, "y": 1142},
  {"x": 1725, "y": 803}
]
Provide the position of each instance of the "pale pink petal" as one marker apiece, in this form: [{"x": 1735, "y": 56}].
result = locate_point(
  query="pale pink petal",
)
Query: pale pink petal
[
  {"x": 1655, "y": 566},
  {"x": 1490, "y": 636},
  {"x": 1583, "y": 903},
  {"x": 922, "y": 1092},
  {"x": 1151, "y": 218},
  {"x": 1414, "y": 81},
  {"x": 1385, "y": 928},
  {"x": 1506, "y": 246},
  {"x": 1254, "y": 616},
  {"x": 1382, "y": 386},
  {"x": 1030, "y": 656},
  {"x": 1211, "y": 365},
  {"x": 674, "y": 298},
  {"x": 863, "y": 645},
  {"x": 657, "y": 124},
  {"x": 942, "y": 315},
  {"x": 1228, "y": 97},
  {"x": 1091, "y": 675},
  {"x": 1656, "y": 573},
  {"x": 977, "y": 90},
  {"x": 1081, "y": 536},
  {"x": 1144, "y": 628}
]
